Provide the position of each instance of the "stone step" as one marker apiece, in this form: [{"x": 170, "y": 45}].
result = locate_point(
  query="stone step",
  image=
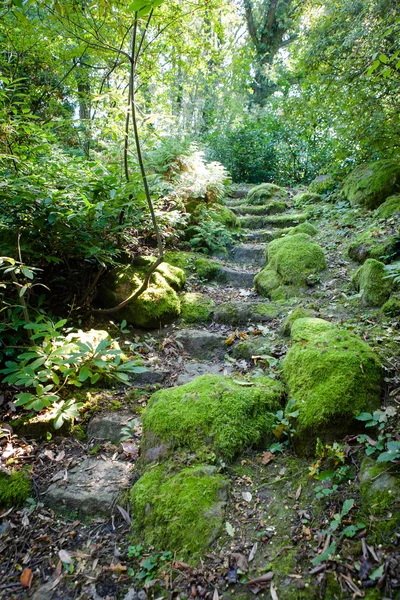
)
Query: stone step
[
  {"x": 195, "y": 369},
  {"x": 240, "y": 193},
  {"x": 237, "y": 278},
  {"x": 202, "y": 344},
  {"x": 260, "y": 235},
  {"x": 272, "y": 221},
  {"x": 248, "y": 254},
  {"x": 238, "y": 313},
  {"x": 248, "y": 209}
]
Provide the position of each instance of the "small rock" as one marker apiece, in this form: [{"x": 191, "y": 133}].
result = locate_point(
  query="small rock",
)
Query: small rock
[
  {"x": 194, "y": 369},
  {"x": 201, "y": 344},
  {"x": 150, "y": 377},
  {"x": 91, "y": 487},
  {"x": 108, "y": 425}
]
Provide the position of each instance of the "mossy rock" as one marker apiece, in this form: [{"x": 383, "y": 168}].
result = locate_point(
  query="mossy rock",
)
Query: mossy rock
[
  {"x": 207, "y": 269},
  {"x": 390, "y": 208},
  {"x": 196, "y": 308},
  {"x": 297, "y": 313},
  {"x": 182, "y": 512},
  {"x": 370, "y": 184},
  {"x": 181, "y": 259},
  {"x": 322, "y": 185},
  {"x": 241, "y": 313},
  {"x": 292, "y": 261},
  {"x": 251, "y": 347},
  {"x": 214, "y": 211},
  {"x": 157, "y": 306},
  {"x": 306, "y": 227},
  {"x": 380, "y": 495},
  {"x": 174, "y": 276},
  {"x": 331, "y": 376},
  {"x": 265, "y": 193},
  {"x": 223, "y": 414},
  {"x": 391, "y": 308},
  {"x": 370, "y": 282},
  {"x": 14, "y": 488},
  {"x": 305, "y": 198},
  {"x": 373, "y": 243}
]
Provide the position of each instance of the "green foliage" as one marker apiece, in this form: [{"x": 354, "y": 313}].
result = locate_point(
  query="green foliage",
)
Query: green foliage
[
  {"x": 210, "y": 237},
  {"x": 393, "y": 271},
  {"x": 57, "y": 359},
  {"x": 386, "y": 444},
  {"x": 15, "y": 488}
]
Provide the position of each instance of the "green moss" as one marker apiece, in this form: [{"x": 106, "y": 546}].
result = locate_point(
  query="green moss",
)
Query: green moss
[
  {"x": 241, "y": 313},
  {"x": 266, "y": 281},
  {"x": 372, "y": 243},
  {"x": 158, "y": 305},
  {"x": 307, "y": 228},
  {"x": 392, "y": 307},
  {"x": 180, "y": 512},
  {"x": 370, "y": 281},
  {"x": 183, "y": 260},
  {"x": 331, "y": 375},
  {"x": 207, "y": 269},
  {"x": 380, "y": 495},
  {"x": 212, "y": 410},
  {"x": 272, "y": 208},
  {"x": 323, "y": 184},
  {"x": 370, "y": 184},
  {"x": 297, "y": 313},
  {"x": 196, "y": 308},
  {"x": 266, "y": 192},
  {"x": 283, "y": 221},
  {"x": 14, "y": 488},
  {"x": 292, "y": 260},
  {"x": 250, "y": 348},
  {"x": 225, "y": 216},
  {"x": 305, "y": 198},
  {"x": 390, "y": 208}
]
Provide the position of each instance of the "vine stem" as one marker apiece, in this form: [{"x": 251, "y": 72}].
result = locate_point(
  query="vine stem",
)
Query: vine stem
[{"x": 133, "y": 58}]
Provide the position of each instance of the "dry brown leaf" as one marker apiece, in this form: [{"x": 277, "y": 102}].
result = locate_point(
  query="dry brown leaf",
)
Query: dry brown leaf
[
  {"x": 118, "y": 568},
  {"x": 307, "y": 533},
  {"x": 253, "y": 552},
  {"x": 267, "y": 457},
  {"x": 241, "y": 561},
  {"x": 298, "y": 493},
  {"x": 26, "y": 578},
  {"x": 261, "y": 579}
]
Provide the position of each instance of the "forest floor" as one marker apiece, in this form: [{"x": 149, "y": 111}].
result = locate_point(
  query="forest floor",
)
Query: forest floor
[{"x": 275, "y": 523}]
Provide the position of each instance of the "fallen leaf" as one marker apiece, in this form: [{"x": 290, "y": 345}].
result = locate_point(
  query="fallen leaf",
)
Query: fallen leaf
[
  {"x": 229, "y": 529},
  {"x": 272, "y": 591},
  {"x": 26, "y": 578},
  {"x": 261, "y": 579},
  {"x": 267, "y": 457},
  {"x": 215, "y": 595},
  {"x": 60, "y": 456},
  {"x": 65, "y": 557},
  {"x": 241, "y": 561},
  {"x": 125, "y": 515},
  {"x": 253, "y": 552},
  {"x": 118, "y": 567},
  {"x": 307, "y": 533},
  {"x": 129, "y": 448},
  {"x": 298, "y": 493},
  {"x": 247, "y": 496}
]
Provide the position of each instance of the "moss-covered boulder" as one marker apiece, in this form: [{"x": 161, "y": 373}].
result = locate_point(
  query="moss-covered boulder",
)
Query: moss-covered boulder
[
  {"x": 370, "y": 184},
  {"x": 323, "y": 184},
  {"x": 266, "y": 193},
  {"x": 223, "y": 414},
  {"x": 251, "y": 347},
  {"x": 370, "y": 282},
  {"x": 158, "y": 305},
  {"x": 380, "y": 495},
  {"x": 182, "y": 512},
  {"x": 375, "y": 243},
  {"x": 331, "y": 375},
  {"x": 207, "y": 269},
  {"x": 196, "y": 308},
  {"x": 293, "y": 260},
  {"x": 15, "y": 488},
  {"x": 391, "y": 308},
  {"x": 390, "y": 208},
  {"x": 306, "y": 227},
  {"x": 219, "y": 213},
  {"x": 298, "y": 313},
  {"x": 305, "y": 198},
  {"x": 242, "y": 313}
]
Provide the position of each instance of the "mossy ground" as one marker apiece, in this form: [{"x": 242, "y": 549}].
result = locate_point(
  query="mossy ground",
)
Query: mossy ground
[{"x": 14, "y": 488}]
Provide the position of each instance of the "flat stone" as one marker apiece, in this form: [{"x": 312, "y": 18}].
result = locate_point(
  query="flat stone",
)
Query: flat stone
[
  {"x": 237, "y": 278},
  {"x": 201, "y": 344},
  {"x": 150, "y": 377},
  {"x": 91, "y": 487},
  {"x": 281, "y": 222},
  {"x": 249, "y": 254},
  {"x": 261, "y": 235},
  {"x": 241, "y": 193},
  {"x": 242, "y": 313},
  {"x": 108, "y": 425},
  {"x": 194, "y": 369},
  {"x": 252, "y": 221}
]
